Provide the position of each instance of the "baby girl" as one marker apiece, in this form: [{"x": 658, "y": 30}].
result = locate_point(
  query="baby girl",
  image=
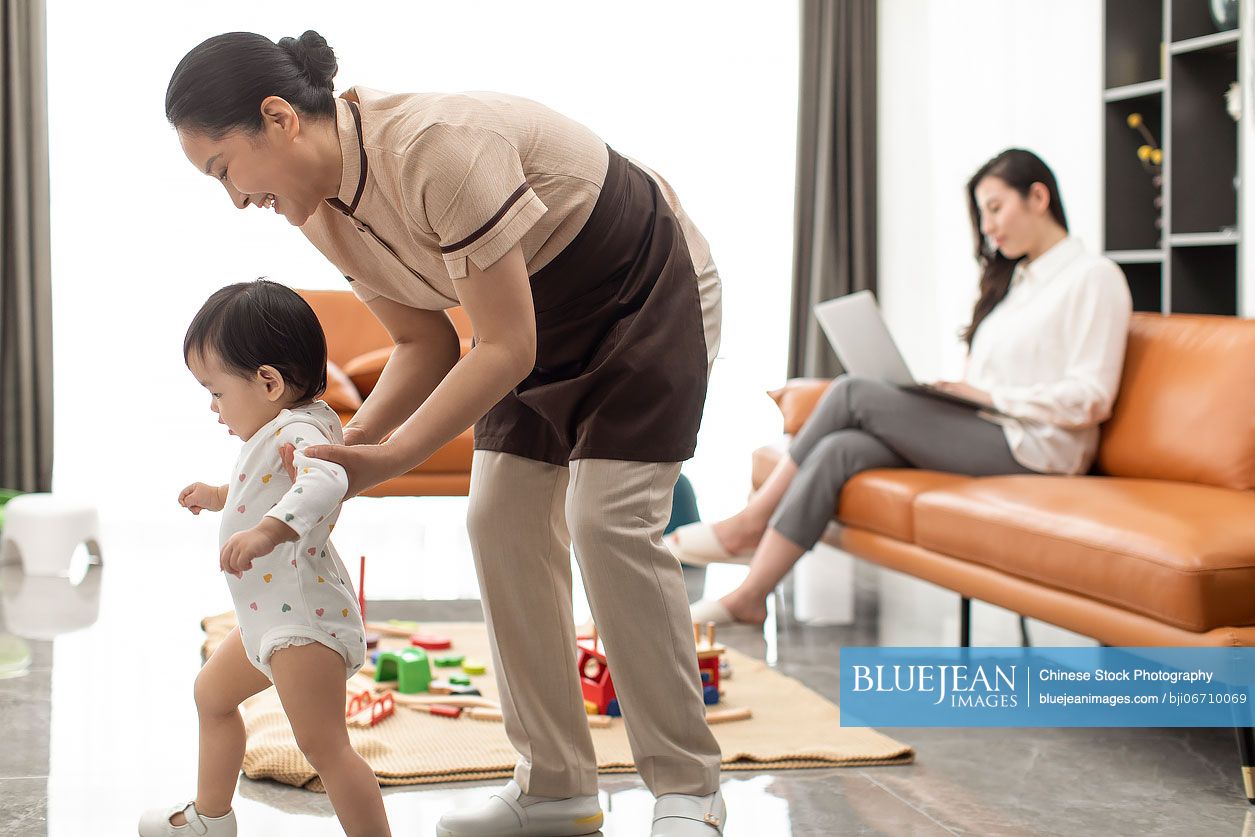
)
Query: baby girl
[{"x": 260, "y": 352}]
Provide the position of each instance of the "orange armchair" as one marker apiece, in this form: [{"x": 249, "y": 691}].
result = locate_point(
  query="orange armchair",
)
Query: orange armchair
[{"x": 358, "y": 346}]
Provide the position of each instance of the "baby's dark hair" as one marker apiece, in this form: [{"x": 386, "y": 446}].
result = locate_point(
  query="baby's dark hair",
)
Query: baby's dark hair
[{"x": 254, "y": 324}]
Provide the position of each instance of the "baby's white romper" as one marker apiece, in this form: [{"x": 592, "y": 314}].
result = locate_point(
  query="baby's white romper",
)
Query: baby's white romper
[{"x": 300, "y": 592}]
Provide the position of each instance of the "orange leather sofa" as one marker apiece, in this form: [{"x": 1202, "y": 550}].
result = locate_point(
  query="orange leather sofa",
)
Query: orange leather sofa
[
  {"x": 1155, "y": 547},
  {"x": 357, "y": 347}
]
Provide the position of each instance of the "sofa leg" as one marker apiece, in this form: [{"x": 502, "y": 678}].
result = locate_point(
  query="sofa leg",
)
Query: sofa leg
[
  {"x": 1246, "y": 749},
  {"x": 1024, "y": 640},
  {"x": 965, "y": 622}
]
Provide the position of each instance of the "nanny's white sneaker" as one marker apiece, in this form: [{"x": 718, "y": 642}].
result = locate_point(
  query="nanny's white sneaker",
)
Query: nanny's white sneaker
[
  {"x": 511, "y": 813},
  {"x": 683, "y": 815}
]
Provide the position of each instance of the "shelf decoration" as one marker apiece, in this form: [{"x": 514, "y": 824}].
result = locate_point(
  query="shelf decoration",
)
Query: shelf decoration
[{"x": 1150, "y": 154}]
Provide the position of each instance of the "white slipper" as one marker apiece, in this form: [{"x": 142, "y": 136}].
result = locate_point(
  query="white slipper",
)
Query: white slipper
[
  {"x": 711, "y": 610},
  {"x": 695, "y": 544}
]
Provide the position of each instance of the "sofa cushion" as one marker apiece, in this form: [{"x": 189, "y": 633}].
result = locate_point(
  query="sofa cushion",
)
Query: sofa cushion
[
  {"x": 1186, "y": 408},
  {"x": 880, "y": 500},
  {"x": 1181, "y": 553},
  {"x": 883, "y": 500}
]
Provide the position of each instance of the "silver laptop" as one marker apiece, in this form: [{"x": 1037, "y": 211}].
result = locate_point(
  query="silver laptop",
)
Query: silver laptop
[{"x": 865, "y": 347}]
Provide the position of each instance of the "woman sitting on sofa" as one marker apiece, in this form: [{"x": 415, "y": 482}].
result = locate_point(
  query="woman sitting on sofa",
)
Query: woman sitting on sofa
[{"x": 1045, "y": 349}]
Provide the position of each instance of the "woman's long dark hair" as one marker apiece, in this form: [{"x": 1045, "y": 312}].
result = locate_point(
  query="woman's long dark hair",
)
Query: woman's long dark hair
[
  {"x": 1019, "y": 169},
  {"x": 219, "y": 86}
]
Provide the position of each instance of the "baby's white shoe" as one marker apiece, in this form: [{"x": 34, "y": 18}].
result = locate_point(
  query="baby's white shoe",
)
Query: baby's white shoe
[
  {"x": 156, "y": 823},
  {"x": 511, "y": 813}
]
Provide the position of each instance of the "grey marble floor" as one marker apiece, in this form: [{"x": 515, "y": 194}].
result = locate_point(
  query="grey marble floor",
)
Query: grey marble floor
[{"x": 87, "y": 739}]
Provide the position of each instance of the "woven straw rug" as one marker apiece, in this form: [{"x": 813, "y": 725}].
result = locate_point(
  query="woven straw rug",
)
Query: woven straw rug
[{"x": 792, "y": 727}]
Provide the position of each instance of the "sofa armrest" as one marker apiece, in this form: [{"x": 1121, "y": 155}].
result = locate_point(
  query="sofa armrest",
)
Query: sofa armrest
[{"x": 797, "y": 400}]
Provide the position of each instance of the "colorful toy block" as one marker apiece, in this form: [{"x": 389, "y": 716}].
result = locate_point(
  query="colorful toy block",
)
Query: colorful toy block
[
  {"x": 598, "y": 688},
  {"x": 431, "y": 642},
  {"x": 409, "y": 668}
]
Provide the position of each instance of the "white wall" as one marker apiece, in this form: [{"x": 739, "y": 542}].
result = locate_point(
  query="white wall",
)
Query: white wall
[
  {"x": 140, "y": 239},
  {"x": 959, "y": 82}
]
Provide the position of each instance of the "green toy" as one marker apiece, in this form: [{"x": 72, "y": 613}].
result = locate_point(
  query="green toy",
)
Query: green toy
[
  {"x": 460, "y": 680},
  {"x": 409, "y": 668},
  {"x": 473, "y": 667},
  {"x": 449, "y": 660}
]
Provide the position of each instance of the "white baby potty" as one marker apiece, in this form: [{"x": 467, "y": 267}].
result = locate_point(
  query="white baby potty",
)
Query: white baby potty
[{"x": 43, "y": 530}]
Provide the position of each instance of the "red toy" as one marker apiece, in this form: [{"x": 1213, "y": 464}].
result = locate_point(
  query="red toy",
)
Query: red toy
[
  {"x": 595, "y": 680},
  {"x": 380, "y": 708},
  {"x": 598, "y": 688},
  {"x": 431, "y": 642}
]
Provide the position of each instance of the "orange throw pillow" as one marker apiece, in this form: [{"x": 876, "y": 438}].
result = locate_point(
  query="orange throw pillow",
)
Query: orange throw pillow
[{"x": 341, "y": 395}]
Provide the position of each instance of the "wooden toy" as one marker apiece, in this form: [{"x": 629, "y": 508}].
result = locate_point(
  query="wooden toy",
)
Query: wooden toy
[
  {"x": 445, "y": 687},
  {"x": 709, "y": 656},
  {"x": 723, "y": 716},
  {"x": 486, "y": 714},
  {"x": 367, "y": 711},
  {"x": 440, "y": 687},
  {"x": 471, "y": 666},
  {"x": 409, "y": 668},
  {"x": 442, "y": 709},
  {"x": 357, "y": 703},
  {"x": 447, "y": 700},
  {"x": 431, "y": 642},
  {"x": 389, "y": 629},
  {"x": 449, "y": 660},
  {"x": 598, "y": 687},
  {"x": 460, "y": 680},
  {"x": 594, "y": 673}
]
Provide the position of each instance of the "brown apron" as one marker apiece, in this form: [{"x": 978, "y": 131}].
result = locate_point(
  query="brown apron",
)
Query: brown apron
[{"x": 620, "y": 348}]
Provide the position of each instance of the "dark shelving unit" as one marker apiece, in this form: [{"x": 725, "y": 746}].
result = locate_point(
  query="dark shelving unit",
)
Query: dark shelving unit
[{"x": 1167, "y": 62}]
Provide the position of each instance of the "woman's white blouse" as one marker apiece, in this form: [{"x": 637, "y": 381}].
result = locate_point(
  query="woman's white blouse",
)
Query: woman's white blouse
[{"x": 1051, "y": 353}]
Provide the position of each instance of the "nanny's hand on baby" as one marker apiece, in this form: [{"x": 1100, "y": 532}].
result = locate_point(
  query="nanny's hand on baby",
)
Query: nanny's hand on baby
[
  {"x": 352, "y": 436},
  {"x": 199, "y": 497},
  {"x": 366, "y": 465}
]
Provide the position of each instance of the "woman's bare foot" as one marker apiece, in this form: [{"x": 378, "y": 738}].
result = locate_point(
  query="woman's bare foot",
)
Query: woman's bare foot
[
  {"x": 739, "y": 533},
  {"x": 745, "y": 610}
]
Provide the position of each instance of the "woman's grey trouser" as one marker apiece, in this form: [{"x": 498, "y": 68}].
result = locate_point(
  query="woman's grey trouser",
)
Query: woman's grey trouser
[{"x": 862, "y": 423}]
